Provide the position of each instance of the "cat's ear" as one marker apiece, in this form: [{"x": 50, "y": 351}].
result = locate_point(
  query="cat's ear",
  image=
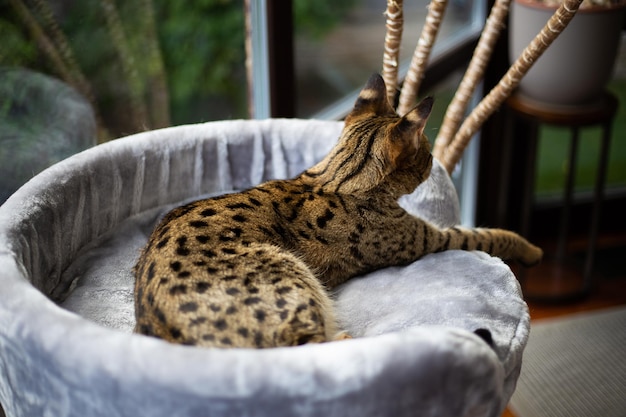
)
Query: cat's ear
[
  {"x": 408, "y": 131},
  {"x": 373, "y": 98},
  {"x": 415, "y": 120}
]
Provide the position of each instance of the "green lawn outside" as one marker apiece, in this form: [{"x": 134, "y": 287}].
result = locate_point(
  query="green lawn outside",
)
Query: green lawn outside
[{"x": 554, "y": 148}]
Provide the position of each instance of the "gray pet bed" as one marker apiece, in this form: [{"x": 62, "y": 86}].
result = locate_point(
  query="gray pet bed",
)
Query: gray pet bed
[{"x": 69, "y": 238}]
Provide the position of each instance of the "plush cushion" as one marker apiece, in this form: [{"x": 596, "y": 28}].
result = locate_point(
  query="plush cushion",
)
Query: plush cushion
[{"x": 69, "y": 238}]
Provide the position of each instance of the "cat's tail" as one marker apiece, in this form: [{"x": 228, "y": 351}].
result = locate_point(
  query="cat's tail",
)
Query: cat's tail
[{"x": 497, "y": 242}]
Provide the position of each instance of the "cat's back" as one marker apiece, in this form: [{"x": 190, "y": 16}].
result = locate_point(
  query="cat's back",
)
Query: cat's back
[{"x": 216, "y": 273}]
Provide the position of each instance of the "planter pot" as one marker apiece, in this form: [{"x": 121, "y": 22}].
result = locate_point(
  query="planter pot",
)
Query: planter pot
[
  {"x": 69, "y": 237},
  {"x": 576, "y": 67}
]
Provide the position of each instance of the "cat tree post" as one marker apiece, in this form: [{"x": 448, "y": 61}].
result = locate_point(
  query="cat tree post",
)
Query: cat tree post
[
  {"x": 414, "y": 76},
  {"x": 393, "y": 37},
  {"x": 488, "y": 105}
]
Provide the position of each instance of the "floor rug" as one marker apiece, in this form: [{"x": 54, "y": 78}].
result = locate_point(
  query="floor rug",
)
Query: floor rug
[{"x": 574, "y": 367}]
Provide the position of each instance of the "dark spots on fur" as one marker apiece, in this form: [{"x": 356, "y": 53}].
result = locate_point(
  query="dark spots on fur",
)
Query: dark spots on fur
[
  {"x": 220, "y": 324},
  {"x": 283, "y": 315},
  {"x": 259, "y": 315},
  {"x": 258, "y": 339},
  {"x": 160, "y": 315},
  {"x": 251, "y": 301},
  {"x": 238, "y": 206},
  {"x": 162, "y": 242},
  {"x": 280, "y": 231},
  {"x": 276, "y": 280},
  {"x": 226, "y": 341},
  {"x": 298, "y": 285},
  {"x": 198, "y": 224},
  {"x": 446, "y": 244},
  {"x": 229, "y": 278},
  {"x": 304, "y": 235},
  {"x": 184, "y": 274},
  {"x": 208, "y": 212},
  {"x": 212, "y": 270},
  {"x": 301, "y": 308},
  {"x": 196, "y": 321},
  {"x": 312, "y": 302},
  {"x": 239, "y": 218},
  {"x": 150, "y": 272},
  {"x": 189, "y": 307},
  {"x": 199, "y": 263},
  {"x": 182, "y": 251},
  {"x": 479, "y": 246},
  {"x": 464, "y": 245},
  {"x": 232, "y": 291},
  {"x": 216, "y": 308},
  {"x": 202, "y": 239},
  {"x": 244, "y": 332},
  {"x": 175, "y": 332},
  {"x": 281, "y": 302},
  {"x": 178, "y": 289},
  {"x": 332, "y": 204},
  {"x": 324, "y": 219},
  {"x": 150, "y": 299},
  {"x": 202, "y": 287},
  {"x": 164, "y": 281},
  {"x": 229, "y": 251},
  {"x": 208, "y": 337},
  {"x": 357, "y": 254},
  {"x": 252, "y": 290},
  {"x": 231, "y": 310},
  {"x": 283, "y": 290},
  {"x": 255, "y": 202},
  {"x": 146, "y": 329},
  {"x": 208, "y": 253},
  {"x": 315, "y": 318},
  {"x": 322, "y": 240},
  {"x": 287, "y": 199},
  {"x": 175, "y": 266},
  {"x": 163, "y": 231},
  {"x": 227, "y": 263},
  {"x": 304, "y": 339}
]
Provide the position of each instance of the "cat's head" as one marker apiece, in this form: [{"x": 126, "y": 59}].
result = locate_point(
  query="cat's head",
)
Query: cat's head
[{"x": 378, "y": 148}]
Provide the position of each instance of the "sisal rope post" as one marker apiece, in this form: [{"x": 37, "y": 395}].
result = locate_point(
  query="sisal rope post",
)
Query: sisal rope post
[
  {"x": 488, "y": 105},
  {"x": 393, "y": 37},
  {"x": 475, "y": 71},
  {"x": 414, "y": 76}
]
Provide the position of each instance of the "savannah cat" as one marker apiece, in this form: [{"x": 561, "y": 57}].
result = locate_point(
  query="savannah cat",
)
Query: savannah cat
[{"x": 252, "y": 269}]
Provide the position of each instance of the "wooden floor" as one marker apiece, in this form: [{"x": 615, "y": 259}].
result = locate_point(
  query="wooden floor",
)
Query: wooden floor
[{"x": 609, "y": 283}]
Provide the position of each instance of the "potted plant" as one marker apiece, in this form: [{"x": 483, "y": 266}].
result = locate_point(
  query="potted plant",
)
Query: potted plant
[{"x": 577, "y": 66}]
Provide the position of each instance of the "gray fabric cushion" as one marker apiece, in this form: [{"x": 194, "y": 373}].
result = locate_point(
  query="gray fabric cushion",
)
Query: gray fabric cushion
[{"x": 73, "y": 233}]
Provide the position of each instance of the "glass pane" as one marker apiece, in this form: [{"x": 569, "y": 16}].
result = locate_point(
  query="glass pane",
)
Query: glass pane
[
  {"x": 127, "y": 66},
  {"x": 335, "y": 59},
  {"x": 145, "y": 64}
]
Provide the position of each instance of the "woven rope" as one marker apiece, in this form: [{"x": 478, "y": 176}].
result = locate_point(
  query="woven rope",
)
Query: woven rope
[
  {"x": 393, "y": 37},
  {"x": 488, "y": 105}
]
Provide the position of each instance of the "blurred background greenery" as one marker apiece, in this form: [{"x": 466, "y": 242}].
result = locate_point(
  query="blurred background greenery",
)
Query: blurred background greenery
[{"x": 146, "y": 64}]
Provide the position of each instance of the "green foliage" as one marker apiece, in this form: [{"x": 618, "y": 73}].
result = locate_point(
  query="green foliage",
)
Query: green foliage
[
  {"x": 17, "y": 49},
  {"x": 202, "y": 46},
  {"x": 316, "y": 18}
]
